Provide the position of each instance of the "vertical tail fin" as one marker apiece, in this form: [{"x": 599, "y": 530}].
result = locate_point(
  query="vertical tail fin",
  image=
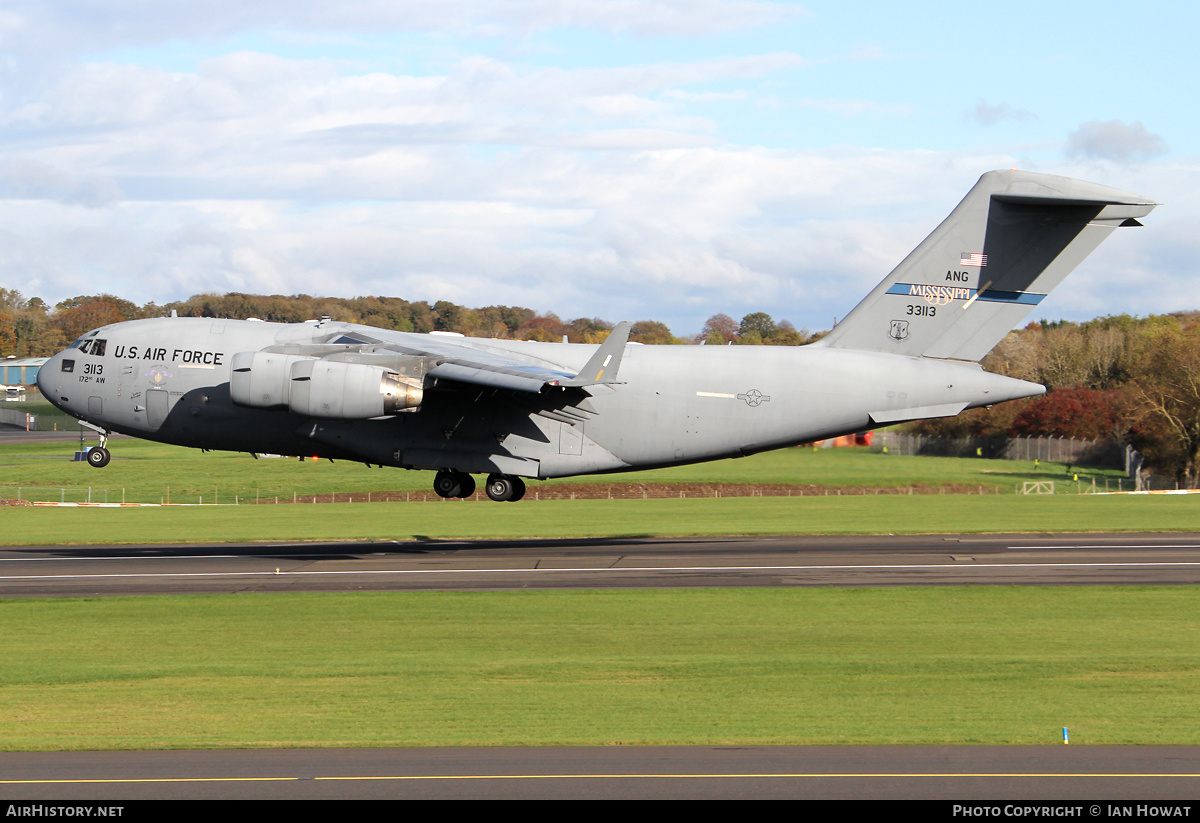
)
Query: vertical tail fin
[{"x": 1012, "y": 239}]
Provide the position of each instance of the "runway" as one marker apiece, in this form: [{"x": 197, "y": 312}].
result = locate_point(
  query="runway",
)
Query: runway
[
  {"x": 949, "y": 773},
  {"x": 925, "y": 560}
]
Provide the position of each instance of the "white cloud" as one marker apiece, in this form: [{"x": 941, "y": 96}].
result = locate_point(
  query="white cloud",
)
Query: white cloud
[
  {"x": 851, "y": 108},
  {"x": 605, "y": 189},
  {"x": 33, "y": 26},
  {"x": 32, "y": 180},
  {"x": 989, "y": 115},
  {"x": 674, "y": 235},
  {"x": 1114, "y": 140}
]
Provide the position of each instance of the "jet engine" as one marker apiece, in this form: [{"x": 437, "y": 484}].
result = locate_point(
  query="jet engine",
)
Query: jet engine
[
  {"x": 262, "y": 379},
  {"x": 350, "y": 391},
  {"x": 320, "y": 388}
]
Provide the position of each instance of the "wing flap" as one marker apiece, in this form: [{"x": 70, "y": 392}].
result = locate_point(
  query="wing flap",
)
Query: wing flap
[
  {"x": 880, "y": 418},
  {"x": 489, "y": 376},
  {"x": 469, "y": 362}
]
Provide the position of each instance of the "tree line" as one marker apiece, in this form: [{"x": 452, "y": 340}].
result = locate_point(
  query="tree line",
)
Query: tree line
[
  {"x": 1133, "y": 379},
  {"x": 31, "y": 328}
]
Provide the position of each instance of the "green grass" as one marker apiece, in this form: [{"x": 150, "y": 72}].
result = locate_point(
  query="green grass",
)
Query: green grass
[
  {"x": 728, "y": 666},
  {"x": 150, "y": 473},
  {"x": 871, "y": 514},
  {"x": 733, "y": 666}
]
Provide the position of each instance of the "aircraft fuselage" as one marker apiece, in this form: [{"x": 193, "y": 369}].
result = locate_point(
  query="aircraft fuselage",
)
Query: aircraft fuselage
[{"x": 169, "y": 380}]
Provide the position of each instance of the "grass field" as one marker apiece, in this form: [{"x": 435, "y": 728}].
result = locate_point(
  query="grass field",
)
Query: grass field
[
  {"x": 148, "y": 472},
  {"x": 152, "y": 473},
  {"x": 731, "y": 666},
  {"x": 870, "y": 514}
]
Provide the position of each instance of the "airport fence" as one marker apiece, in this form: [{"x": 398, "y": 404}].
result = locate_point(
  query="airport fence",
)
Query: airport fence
[
  {"x": 1069, "y": 451},
  {"x": 1075, "y": 451},
  {"x": 217, "y": 496},
  {"x": 96, "y": 495},
  {"x": 40, "y": 422}
]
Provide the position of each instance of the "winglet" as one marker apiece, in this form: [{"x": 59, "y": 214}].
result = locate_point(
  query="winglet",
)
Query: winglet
[{"x": 603, "y": 365}]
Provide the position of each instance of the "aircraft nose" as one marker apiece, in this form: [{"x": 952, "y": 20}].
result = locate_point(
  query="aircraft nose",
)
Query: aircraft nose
[
  {"x": 48, "y": 379},
  {"x": 43, "y": 377}
]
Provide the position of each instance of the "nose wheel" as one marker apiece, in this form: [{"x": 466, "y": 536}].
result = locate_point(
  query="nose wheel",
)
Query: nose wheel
[{"x": 98, "y": 456}]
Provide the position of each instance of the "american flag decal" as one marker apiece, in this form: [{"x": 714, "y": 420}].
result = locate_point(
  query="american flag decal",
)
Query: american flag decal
[{"x": 973, "y": 258}]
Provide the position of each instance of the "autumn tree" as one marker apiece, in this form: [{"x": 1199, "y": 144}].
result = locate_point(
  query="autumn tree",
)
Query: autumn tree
[
  {"x": 1167, "y": 382},
  {"x": 651, "y": 332},
  {"x": 448, "y": 316},
  {"x": 547, "y": 328},
  {"x": 1089, "y": 414},
  {"x": 786, "y": 334},
  {"x": 588, "y": 330},
  {"x": 719, "y": 330},
  {"x": 78, "y": 315},
  {"x": 8, "y": 333},
  {"x": 25, "y": 327},
  {"x": 755, "y": 328}
]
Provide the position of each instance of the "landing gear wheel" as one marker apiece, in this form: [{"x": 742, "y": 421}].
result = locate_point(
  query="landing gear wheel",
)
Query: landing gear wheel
[
  {"x": 499, "y": 487},
  {"x": 505, "y": 487},
  {"x": 447, "y": 484},
  {"x": 453, "y": 484},
  {"x": 518, "y": 489},
  {"x": 98, "y": 457}
]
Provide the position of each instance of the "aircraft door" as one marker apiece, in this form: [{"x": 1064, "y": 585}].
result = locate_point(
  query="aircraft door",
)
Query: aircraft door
[
  {"x": 158, "y": 403},
  {"x": 570, "y": 439}
]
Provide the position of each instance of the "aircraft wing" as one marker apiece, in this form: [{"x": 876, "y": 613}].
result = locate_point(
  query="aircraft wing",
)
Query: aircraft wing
[{"x": 469, "y": 362}]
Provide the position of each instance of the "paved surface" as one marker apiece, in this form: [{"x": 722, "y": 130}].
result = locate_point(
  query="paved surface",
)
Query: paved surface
[
  {"x": 603, "y": 563},
  {"x": 958, "y": 773}
]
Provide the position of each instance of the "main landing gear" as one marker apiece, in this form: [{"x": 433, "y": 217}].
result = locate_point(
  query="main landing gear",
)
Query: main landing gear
[
  {"x": 453, "y": 484},
  {"x": 500, "y": 487},
  {"x": 505, "y": 487}
]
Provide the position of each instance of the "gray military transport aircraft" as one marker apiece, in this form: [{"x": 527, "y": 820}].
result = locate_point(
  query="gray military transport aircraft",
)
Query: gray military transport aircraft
[{"x": 517, "y": 409}]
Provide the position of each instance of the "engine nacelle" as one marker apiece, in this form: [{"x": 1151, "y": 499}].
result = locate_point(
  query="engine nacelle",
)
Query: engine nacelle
[
  {"x": 350, "y": 391},
  {"x": 262, "y": 380}
]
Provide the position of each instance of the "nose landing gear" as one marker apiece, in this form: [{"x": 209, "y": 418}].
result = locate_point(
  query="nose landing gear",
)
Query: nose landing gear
[{"x": 97, "y": 456}]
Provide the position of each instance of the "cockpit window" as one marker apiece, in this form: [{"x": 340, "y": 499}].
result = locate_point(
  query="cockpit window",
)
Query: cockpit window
[{"x": 96, "y": 346}]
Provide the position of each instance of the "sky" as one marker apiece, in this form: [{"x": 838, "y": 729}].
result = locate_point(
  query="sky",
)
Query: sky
[{"x": 620, "y": 159}]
